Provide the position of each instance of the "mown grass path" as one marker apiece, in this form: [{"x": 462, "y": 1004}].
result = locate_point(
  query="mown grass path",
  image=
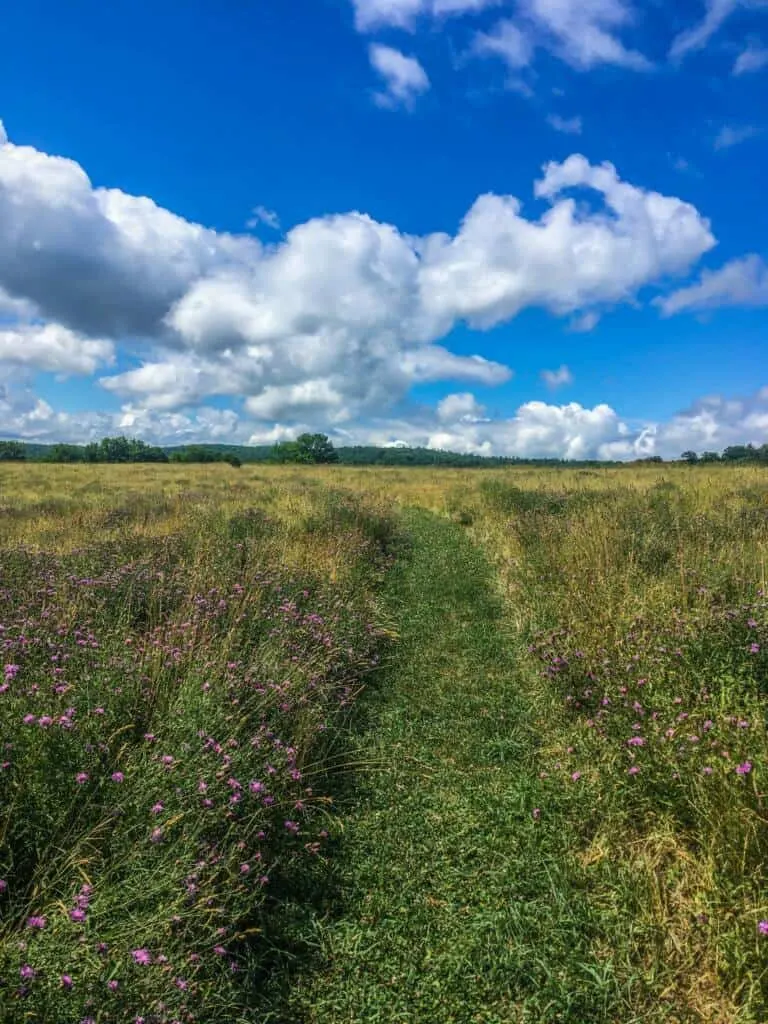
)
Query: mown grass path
[{"x": 455, "y": 903}]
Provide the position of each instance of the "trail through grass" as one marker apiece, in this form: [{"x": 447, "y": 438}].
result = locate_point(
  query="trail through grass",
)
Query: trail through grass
[{"x": 459, "y": 903}]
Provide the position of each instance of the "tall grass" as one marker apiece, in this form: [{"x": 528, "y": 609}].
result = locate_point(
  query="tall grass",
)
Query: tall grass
[
  {"x": 180, "y": 652},
  {"x": 642, "y": 600},
  {"x": 177, "y": 665}
]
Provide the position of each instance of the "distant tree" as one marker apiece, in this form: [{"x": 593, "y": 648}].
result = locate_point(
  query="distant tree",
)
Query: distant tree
[
  {"x": 318, "y": 448},
  {"x": 690, "y": 457},
  {"x": 288, "y": 451},
  {"x": 740, "y": 453},
  {"x": 307, "y": 448},
  {"x": 115, "y": 449},
  {"x": 12, "y": 451},
  {"x": 66, "y": 453},
  {"x": 710, "y": 457}
]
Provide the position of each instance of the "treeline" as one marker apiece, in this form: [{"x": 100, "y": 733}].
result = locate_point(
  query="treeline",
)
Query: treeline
[
  {"x": 318, "y": 449},
  {"x": 745, "y": 453},
  {"x": 113, "y": 450}
]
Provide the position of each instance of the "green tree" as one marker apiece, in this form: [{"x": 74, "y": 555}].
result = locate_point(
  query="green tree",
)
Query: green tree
[
  {"x": 12, "y": 451},
  {"x": 66, "y": 453},
  {"x": 690, "y": 457},
  {"x": 288, "y": 451},
  {"x": 307, "y": 448},
  {"x": 317, "y": 447}
]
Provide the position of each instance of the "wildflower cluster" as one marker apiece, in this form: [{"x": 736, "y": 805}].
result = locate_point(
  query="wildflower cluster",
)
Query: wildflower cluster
[{"x": 162, "y": 750}]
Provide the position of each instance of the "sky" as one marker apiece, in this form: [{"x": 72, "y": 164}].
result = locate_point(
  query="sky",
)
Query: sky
[{"x": 511, "y": 227}]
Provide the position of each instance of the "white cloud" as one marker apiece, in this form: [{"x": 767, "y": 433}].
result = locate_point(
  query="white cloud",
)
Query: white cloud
[
  {"x": 508, "y": 41},
  {"x": 460, "y": 408},
  {"x": 404, "y": 77},
  {"x": 263, "y": 215},
  {"x": 731, "y": 135},
  {"x": 3, "y": 134},
  {"x": 373, "y": 14},
  {"x": 557, "y": 378},
  {"x": 341, "y": 317},
  {"x": 584, "y": 33},
  {"x": 457, "y": 423},
  {"x": 741, "y": 282},
  {"x": 716, "y": 13},
  {"x": 699, "y": 35},
  {"x": 98, "y": 260},
  {"x": 570, "y": 259},
  {"x": 573, "y": 431},
  {"x": 13, "y": 309},
  {"x": 754, "y": 58},
  {"x": 566, "y": 125},
  {"x": 715, "y": 422},
  {"x": 53, "y": 348},
  {"x": 585, "y": 323}
]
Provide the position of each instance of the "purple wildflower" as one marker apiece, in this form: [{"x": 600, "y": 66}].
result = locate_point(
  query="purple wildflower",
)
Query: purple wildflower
[
  {"x": 744, "y": 769},
  {"x": 37, "y": 922},
  {"x": 762, "y": 927},
  {"x": 117, "y": 776},
  {"x": 142, "y": 956},
  {"x": 81, "y": 777}
]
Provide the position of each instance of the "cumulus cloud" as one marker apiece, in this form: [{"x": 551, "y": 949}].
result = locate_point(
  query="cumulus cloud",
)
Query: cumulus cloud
[
  {"x": 340, "y": 318},
  {"x": 715, "y": 422},
  {"x": 573, "y": 431},
  {"x": 98, "y": 260},
  {"x": 500, "y": 262},
  {"x": 557, "y": 378},
  {"x": 566, "y": 125},
  {"x": 405, "y": 79},
  {"x": 741, "y": 282},
  {"x": 460, "y": 408},
  {"x": 54, "y": 348},
  {"x": 458, "y": 423}
]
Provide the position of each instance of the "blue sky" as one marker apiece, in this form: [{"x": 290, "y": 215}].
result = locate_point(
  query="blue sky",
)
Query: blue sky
[{"x": 343, "y": 229}]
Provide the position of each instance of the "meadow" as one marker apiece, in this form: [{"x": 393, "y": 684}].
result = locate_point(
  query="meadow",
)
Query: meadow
[{"x": 334, "y": 745}]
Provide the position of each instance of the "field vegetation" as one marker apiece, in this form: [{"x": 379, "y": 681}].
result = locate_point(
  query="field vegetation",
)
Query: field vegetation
[{"x": 333, "y": 744}]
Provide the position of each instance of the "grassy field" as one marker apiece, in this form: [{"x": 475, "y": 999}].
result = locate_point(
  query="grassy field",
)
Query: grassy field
[{"x": 338, "y": 745}]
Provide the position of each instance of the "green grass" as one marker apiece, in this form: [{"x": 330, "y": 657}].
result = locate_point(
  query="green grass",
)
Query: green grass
[
  {"x": 453, "y": 902},
  {"x": 590, "y": 646}
]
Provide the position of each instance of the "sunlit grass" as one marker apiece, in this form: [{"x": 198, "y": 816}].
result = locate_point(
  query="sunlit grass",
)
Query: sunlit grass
[{"x": 642, "y": 586}]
